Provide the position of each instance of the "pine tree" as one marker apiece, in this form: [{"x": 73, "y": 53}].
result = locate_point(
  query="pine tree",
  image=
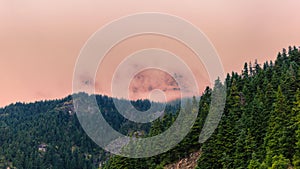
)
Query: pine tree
[
  {"x": 245, "y": 72},
  {"x": 276, "y": 140},
  {"x": 228, "y": 129},
  {"x": 296, "y": 113}
]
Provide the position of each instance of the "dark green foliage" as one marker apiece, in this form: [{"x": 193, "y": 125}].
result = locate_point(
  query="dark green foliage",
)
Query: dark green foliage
[
  {"x": 263, "y": 130},
  {"x": 23, "y": 127}
]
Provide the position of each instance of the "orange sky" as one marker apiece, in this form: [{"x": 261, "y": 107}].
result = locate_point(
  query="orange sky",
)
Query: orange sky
[{"x": 40, "y": 40}]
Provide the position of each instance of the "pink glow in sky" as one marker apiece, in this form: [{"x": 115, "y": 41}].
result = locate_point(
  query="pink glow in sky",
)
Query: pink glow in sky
[{"x": 40, "y": 40}]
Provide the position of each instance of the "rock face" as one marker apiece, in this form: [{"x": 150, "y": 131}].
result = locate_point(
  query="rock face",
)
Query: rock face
[{"x": 185, "y": 163}]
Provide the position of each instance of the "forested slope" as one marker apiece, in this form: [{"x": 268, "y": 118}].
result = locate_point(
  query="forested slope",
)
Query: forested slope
[
  {"x": 47, "y": 134},
  {"x": 260, "y": 126}
]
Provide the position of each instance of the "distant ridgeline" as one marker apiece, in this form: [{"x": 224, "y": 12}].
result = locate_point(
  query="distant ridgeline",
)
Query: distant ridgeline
[
  {"x": 47, "y": 134},
  {"x": 260, "y": 127}
]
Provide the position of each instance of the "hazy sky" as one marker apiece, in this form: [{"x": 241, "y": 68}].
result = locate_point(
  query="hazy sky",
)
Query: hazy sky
[{"x": 40, "y": 40}]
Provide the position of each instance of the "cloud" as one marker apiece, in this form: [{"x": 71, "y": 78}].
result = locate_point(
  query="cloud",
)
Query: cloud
[{"x": 149, "y": 80}]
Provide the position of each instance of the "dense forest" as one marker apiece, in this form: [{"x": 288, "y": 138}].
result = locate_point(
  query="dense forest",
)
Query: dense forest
[
  {"x": 260, "y": 126},
  {"x": 47, "y": 134}
]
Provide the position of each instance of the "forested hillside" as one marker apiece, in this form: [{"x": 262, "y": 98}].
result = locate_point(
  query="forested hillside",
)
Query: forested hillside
[
  {"x": 260, "y": 126},
  {"x": 47, "y": 134}
]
